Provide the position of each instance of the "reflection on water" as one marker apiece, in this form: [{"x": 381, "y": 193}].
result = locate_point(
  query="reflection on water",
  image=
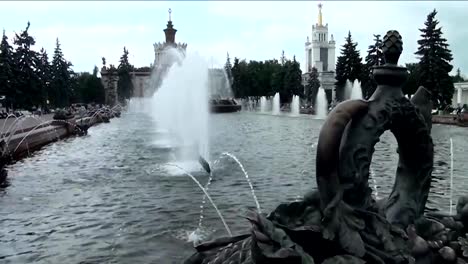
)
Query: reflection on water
[{"x": 110, "y": 197}]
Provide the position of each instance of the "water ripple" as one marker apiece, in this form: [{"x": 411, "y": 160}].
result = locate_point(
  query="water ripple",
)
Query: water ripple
[{"x": 110, "y": 197}]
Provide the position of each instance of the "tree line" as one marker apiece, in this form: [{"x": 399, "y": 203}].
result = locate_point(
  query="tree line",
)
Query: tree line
[
  {"x": 265, "y": 78},
  {"x": 432, "y": 71},
  {"x": 30, "y": 80}
]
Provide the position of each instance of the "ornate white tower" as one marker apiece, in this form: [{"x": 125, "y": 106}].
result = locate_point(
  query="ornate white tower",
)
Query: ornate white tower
[{"x": 320, "y": 53}]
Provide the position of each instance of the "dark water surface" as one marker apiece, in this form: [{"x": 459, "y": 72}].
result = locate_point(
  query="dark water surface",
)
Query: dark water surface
[{"x": 110, "y": 197}]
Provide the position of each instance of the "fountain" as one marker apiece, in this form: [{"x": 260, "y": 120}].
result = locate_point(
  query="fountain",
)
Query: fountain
[
  {"x": 295, "y": 105},
  {"x": 348, "y": 89},
  {"x": 321, "y": 104},
  {"x": 180, "y": 106},
  {"x": 356, "y": 92},
  {"x": 276, "y": 105},
  {"x": 263, "y": 104},
  {"x": 221, "y": 93},
  {"x": 341, "y": 222}
]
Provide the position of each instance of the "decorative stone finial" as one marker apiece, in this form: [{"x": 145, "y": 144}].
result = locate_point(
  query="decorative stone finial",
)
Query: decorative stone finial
[
  {"x": 392, "y": 47},
  {"x": 170, "y": 12}
]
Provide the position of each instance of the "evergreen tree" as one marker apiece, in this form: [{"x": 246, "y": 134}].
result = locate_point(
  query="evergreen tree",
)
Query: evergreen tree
[
  {"x": 434, "y": 64},
  {"x": 278, "y": 78},
  {"x": 283, "y": 58},
  {"x": 228, "y": 70},
  {"x": 241, "y": 81},
  {"x": 44, "y": 73},
  {"x": 28, "y": 82},
  {"x": 292, "y": 80},
  {"x": 312, "y": 86},
  {"x": 374, "y": 52},
  {"x": 414, "y": 79},
  {"x": 90, "y": 88},
  {"x": 61, "y": 84},
  {"x": 458, "y": 77},
  {"x": 113, "y": 76},
  {"x": 348, "y": 66},
  {"x": 374, "y": 58},
  {"x": 235, "y": 78},
  {"x": 124, "y": 84},
  {"x": 7, "y": 77}
]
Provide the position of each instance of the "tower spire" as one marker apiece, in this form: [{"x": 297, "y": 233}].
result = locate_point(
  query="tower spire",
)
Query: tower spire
[
  {"x": 170, "y": 31},
  {"x": 320, "y": 14}
]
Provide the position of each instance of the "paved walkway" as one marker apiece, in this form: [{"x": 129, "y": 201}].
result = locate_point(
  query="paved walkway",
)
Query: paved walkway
[{"x": 23, "y": 123}]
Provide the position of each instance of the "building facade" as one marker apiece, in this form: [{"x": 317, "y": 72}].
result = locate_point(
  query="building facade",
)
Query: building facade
[
  {"x": 320, "y": 54},
  {"x": 460, "y": 96},
  {"x": 147, "y": 81}
]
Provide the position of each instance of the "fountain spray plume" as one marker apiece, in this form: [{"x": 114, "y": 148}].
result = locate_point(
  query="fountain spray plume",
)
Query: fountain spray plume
[
  {"x": 276, "y": 104},
  {"x": 180, "y": 104},
  {"x": 321, "y": 104},
  {"x": 356, "y": 92}
]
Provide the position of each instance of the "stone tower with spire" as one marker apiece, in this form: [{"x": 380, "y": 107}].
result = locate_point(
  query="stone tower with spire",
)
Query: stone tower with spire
[
  {"x": 161, "y": 58},
  {"x": 320, "y": 53},
  {"x": 146, "y": 79}
]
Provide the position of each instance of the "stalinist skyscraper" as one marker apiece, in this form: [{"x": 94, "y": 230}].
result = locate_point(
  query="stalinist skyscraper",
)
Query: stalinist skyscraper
[{"x": 320, "y": 53}]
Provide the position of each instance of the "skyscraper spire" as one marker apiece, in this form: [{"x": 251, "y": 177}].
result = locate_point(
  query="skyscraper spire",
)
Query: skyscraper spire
[{"x": 320, "y": 14}]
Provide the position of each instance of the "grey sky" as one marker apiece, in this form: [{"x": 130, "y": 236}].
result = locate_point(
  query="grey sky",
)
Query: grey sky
[{"x": 89, "y": 30}]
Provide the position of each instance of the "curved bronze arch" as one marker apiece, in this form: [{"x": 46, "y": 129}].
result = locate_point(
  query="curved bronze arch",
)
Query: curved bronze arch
[{"x": 415, "y": 149}]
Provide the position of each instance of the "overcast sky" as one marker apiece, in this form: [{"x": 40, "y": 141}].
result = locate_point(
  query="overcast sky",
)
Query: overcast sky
[{"x": 90, "y": 30}]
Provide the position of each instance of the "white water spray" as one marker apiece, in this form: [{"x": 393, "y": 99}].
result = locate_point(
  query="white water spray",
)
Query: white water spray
[
  {"x": 276, "y": 104},
  {"x": 356, "y": 92},
  {"x": 348, "y": 89},
  {"x": 246, "y": 177},
  {"x": 263, "y": 104},
  {"x": 207, "y": 195},
  {"x": 321, "y": 104},
  {"x": 295, "y": 105},
  {"x": 180, "y": 105}
]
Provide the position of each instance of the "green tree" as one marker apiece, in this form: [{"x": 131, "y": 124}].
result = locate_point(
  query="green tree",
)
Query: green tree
[
  {"x": 374, "y": 58},
  {"x": 265, "y": 79},
  {"x": 27, "y": 84},
  {"x": 458, "y": 77},
  {"x": 61, "y": 84},
  {"x": 434, "y": 64},
  {"x": 278, "y": 78},
  {"x": 374, "y": 52},
  {"x": 44, "y": 72},
  {"x": 292, "y": 80},
  {"x": 348, "y": 66},
  {"x": 124, "y": 84},
  {"x": 7, "y": 77},
  {"x": 90, "y": 88},
  {"x": 283, "y": 58},
  {"x": 414, "y": 79},
  {"x": 240, "y": 74},
  {"x": 312, "y": 86}
]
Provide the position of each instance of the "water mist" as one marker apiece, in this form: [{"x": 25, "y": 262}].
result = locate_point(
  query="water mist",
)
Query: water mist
[{"x": 180, "y": 106}]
